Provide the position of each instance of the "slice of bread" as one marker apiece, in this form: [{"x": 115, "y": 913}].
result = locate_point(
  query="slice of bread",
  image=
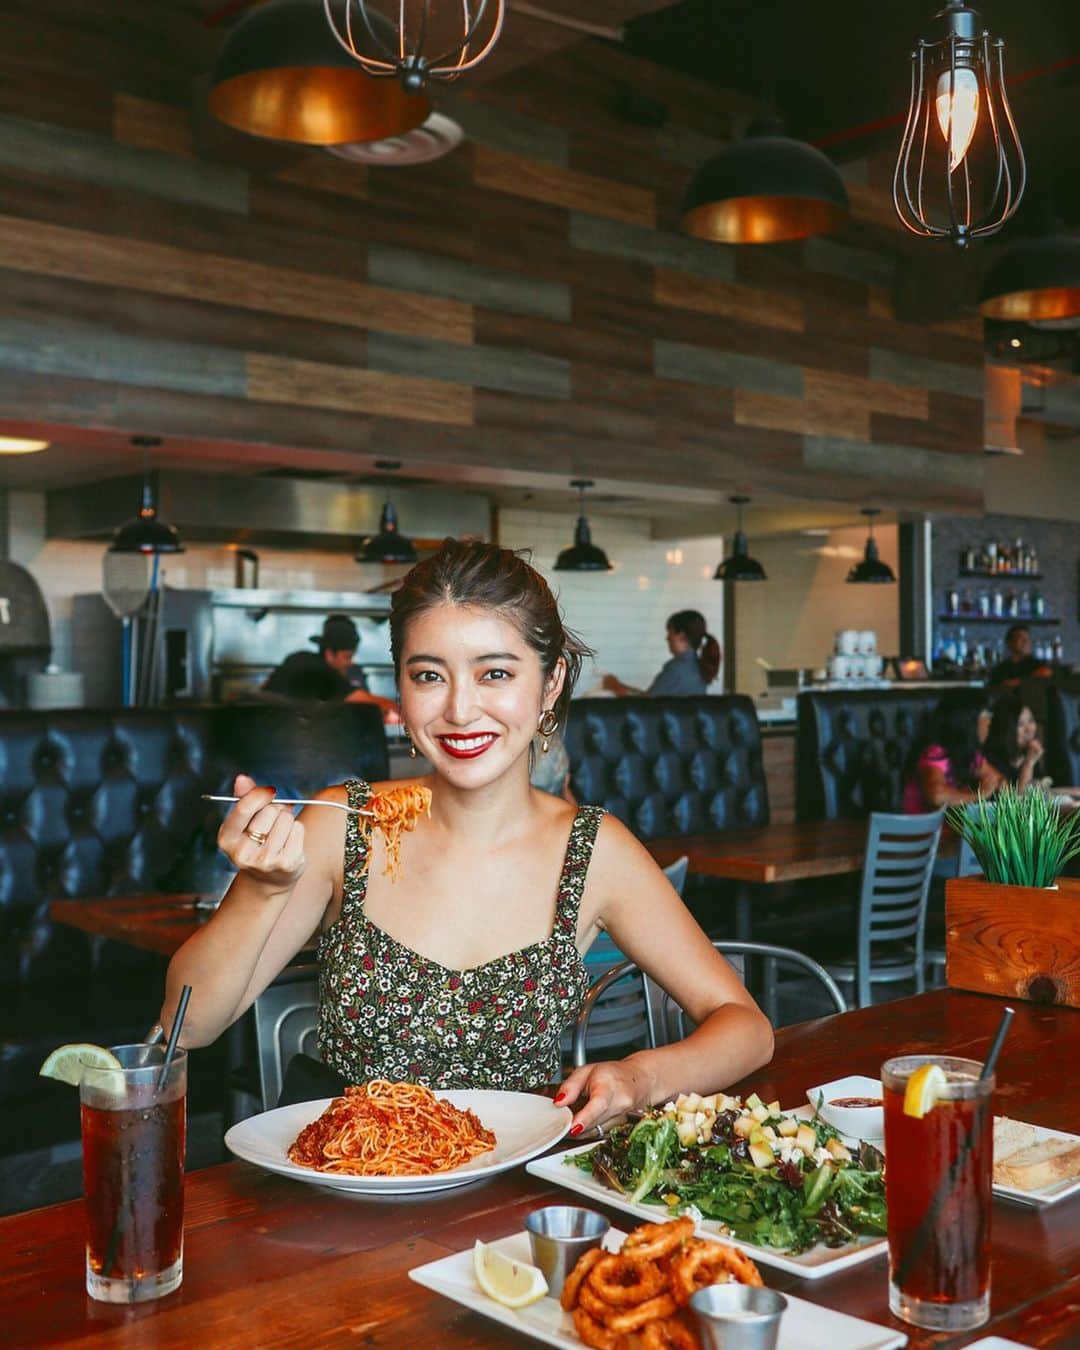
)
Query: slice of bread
[{"x": 1042, "y": 1164}]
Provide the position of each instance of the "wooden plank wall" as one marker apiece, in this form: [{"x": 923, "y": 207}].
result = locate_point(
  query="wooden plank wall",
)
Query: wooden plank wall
[{"x": 524, "y": 302}]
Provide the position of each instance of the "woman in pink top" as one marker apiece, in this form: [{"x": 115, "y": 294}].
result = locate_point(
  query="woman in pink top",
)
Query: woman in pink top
[{"x": 949, "y": 768}]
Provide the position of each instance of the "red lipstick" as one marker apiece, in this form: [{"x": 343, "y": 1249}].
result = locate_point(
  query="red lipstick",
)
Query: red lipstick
[{"x": 467, "y": 747}]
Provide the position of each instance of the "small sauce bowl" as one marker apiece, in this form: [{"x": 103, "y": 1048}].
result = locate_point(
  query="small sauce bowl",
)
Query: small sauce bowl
[{"x": 858, "y": 1122}]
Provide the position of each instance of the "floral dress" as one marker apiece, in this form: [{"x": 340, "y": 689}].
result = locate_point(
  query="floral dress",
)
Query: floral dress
[{"x": 385, "y": 1011}]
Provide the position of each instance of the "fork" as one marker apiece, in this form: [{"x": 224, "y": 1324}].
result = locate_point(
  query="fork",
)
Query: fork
[{"x": 298, "y": 801}]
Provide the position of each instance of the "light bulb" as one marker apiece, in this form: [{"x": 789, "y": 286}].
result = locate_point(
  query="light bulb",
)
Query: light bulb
[{"x": 957, "y": 114}]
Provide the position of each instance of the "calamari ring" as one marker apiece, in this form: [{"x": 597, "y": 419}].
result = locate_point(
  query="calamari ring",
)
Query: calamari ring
[
  {"x": 633, "y": 1319},
  {"x": 594, "y": 1333},
  {"x": 625, "y": 1283},
  {"x": 653, "y": 1240},
  {"x": 669, "y": 1334},
  {"x": 703, "y": 1263},
  {"x": 569, "y": 1296},
  {"x": 594, "y": 1305}
]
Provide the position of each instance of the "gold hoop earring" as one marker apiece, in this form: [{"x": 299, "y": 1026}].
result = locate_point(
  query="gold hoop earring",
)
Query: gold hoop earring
[{"x": 547, "y": 727}]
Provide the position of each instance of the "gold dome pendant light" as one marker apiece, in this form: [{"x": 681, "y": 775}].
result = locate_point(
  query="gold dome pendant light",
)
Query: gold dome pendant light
[
  {"x": 421, "y": 44},
  {"x": 765, "y": 189},
  {"x": 282, "y": 75},
  {"x": 960, "y": 173},
  {"x": 1037, "y": 281}
]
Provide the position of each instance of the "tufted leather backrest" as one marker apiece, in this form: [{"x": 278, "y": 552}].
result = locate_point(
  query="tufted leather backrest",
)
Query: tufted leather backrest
[
  {"x": 1063, "y": 733},
  {"x": 669, "y": 766},
  {"x": 105, "y": 802},
  {"x": 852, "y": 749}
]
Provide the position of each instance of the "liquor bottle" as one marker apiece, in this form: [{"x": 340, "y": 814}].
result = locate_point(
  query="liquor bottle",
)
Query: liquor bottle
[
  {"x": 998, "y": 603},
  {"x": 1012, "y": 605},
  {"x": 991, "y": 557},
  {"x": 952, "y": 600},
  {"x": 1058, "y": 648},
  {"x": 1025, "y": 604},
  {"x": 982, "y": 603},
  {"x": 961, "y": 647},
  {"x": 1038, "y": 604}
]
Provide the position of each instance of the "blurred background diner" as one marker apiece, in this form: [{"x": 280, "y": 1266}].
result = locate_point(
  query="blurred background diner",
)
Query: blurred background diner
[{"x": 827, "y": 551}]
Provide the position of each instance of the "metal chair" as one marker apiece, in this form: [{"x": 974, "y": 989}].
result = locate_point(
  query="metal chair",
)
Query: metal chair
[
  {"x": 285, "y": 1017},
  {"x": 890, "y": 945},
  {"x": 966, "y": 865},
  {"x": 665, "y": 1021}
]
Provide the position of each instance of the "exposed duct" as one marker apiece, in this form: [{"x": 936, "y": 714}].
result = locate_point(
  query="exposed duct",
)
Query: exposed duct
[{"x": 274, "y": 512}]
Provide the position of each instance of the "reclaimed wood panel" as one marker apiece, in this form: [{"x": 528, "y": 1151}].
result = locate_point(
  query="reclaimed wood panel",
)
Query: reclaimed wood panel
[
  {"x": 470, "y": 282},
  {"x": 685, "y": 361},
  {"x": 729, "y": 300},
  {"x": 518, "y": 371},
  {"x": 655, "y": 248},
  {"x": 151, "y": 125},
  {"x": 564, "y": 187},
  {"x": 813, "y": 414},
  {"x": 318, "y": 385},
  {"x": 114, "y": 260},
  {"x": 1014, "y": 941}
]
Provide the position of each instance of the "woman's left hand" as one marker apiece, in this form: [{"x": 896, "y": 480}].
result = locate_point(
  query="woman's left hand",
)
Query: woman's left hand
[{"x": 599, "y": 1092}]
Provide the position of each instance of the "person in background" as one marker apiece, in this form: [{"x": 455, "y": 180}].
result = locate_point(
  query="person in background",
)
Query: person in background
[
  {"x": 949, "y": 768},
  {"x": 1019, "y": 664},
  {"x": 320, "y": 676},
  {"x": 1013, "y": 747},
  {"x": 695, "y": 660}
]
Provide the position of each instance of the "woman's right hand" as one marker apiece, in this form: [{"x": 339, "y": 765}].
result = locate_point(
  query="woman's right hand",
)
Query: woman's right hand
[{"x": 276, "y": 861}]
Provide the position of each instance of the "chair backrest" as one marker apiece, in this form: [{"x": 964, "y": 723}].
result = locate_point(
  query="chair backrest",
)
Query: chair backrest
[
  {"x": 669, "y": 766},
  {"x": 899, "y": 863},
  {"x": 285, "y": 1017},
  {"x": 666, "y": 1022},
  {"x": 620, "y": 1017},
  {"x": 852, "y": 748}
]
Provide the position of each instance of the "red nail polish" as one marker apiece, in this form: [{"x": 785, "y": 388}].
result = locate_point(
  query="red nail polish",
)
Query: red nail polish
[
  {"x": 576, "y": 1129},
  {"x": 561, "y": 1097}
]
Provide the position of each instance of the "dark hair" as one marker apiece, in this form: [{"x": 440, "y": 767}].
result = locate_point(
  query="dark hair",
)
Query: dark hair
[
  {"x": 954, "y": 726},
  {"x": 1012, "y": 631},
  {"x": 472, "y": 572},
  {"x": 705, "y": 647},
  {"x": 1002, "y": 749},
  {"x": 339, "y": 634}
]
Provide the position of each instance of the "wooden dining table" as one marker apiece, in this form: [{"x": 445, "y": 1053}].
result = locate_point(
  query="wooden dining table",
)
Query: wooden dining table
[
  {"x": 769, "y": 854},
  {"x": 270, "y": 1261}
]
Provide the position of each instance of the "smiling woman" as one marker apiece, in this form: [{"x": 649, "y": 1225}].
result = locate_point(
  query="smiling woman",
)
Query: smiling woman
[{"x": 462, "y": 971}]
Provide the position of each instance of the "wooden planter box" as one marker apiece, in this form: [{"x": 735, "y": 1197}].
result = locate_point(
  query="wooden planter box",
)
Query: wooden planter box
[{"x": 1015, "y": 941}]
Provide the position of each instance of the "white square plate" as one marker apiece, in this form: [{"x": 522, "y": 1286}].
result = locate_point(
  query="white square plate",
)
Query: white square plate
[
  {"x": 996, "y": 1343},
  {"x": 1045, "y": 1195},
  {"x": 804, "y": 1326},
  {"x": 812, "y": 1265}
]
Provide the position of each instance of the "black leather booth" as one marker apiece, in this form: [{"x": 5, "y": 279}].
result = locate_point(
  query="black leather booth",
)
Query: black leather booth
[
  {"x": 852, "y": 748},
  {"x": 96, "y": 803},
  {"x": 1063, "y": 733},
  {"x": 669, "y": 766}
]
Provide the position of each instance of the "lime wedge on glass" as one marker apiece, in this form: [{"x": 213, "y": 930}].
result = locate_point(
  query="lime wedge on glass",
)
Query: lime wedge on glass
[
  {"x": 925, "y": 1088},
  {"x": 68, "y": 1063},
  {"x": 514, "y": 1284}
]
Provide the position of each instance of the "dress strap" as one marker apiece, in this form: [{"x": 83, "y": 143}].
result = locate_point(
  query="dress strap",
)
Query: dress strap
[
  {"x": 357, "y": 846},
  {"x": 579, "y": 849}
]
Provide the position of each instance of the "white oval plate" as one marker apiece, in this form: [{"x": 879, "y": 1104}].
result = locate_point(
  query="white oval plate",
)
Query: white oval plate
[{"x": 524, "y": 1123}]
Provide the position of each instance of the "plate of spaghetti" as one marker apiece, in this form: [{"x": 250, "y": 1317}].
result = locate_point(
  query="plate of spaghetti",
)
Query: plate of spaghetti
[{"x": 400, "y": 1138}]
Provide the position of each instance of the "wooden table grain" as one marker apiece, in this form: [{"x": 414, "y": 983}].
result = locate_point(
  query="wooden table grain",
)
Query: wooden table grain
[
  {"x": 272, "y": 1261},
  {"x": 153, "y": 923}
]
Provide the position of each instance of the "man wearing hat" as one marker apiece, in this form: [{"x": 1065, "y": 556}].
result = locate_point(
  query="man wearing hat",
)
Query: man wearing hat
[{"x": 322, "y": 675}]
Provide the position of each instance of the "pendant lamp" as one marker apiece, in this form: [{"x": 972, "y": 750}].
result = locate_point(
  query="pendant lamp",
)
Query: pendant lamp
[
  {"x": 764, "y": 189},
  {"x": 281, "y": 74},
  {"x": 145, "y": 533},
  {"x": 1036, "y": 281},
  {"x": 582, "y": 555},
  {"x": 740, "y": 566},
  {"x": 388, "y": 546},
  {"x": 429, "y": 41},
  {"x": 871, "y": 571},
  {"x": 960, "y": 173}
]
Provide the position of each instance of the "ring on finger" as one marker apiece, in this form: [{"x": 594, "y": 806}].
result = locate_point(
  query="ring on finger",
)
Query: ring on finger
[{"x": 257, "y": 835}]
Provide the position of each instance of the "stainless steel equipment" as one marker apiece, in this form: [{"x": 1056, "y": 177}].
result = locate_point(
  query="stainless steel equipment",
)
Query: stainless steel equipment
[{"x": 211, "y": 646}]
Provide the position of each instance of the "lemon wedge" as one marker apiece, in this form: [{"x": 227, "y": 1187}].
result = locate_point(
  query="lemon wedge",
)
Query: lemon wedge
[
  {"x": 68, "y": 1063},
  {"x": 511, "y": 1283},
  {"x": 925, "y": 1088}
]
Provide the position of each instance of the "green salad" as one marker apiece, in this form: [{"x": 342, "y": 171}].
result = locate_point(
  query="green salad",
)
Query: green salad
[{"x": 770, "y": 1178}]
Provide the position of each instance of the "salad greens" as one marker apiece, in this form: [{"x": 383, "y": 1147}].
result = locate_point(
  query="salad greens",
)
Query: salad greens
[{"x": 805, "y": 1193}]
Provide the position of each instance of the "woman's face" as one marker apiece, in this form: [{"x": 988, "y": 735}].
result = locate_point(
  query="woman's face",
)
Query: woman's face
[
  {"x": 1026, "y": 728},
  {"x": 472, "y": 691},
  {"x": 677, "y": 642}
]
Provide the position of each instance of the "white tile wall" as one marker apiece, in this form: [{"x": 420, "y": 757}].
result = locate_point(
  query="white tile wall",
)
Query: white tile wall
[{"x": 621, "y": 614}]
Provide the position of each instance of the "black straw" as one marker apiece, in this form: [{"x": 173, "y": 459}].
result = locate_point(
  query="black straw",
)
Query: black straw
[
  {"x": 174, "y": 1035},
  {"x": 963, "y": 1153}
]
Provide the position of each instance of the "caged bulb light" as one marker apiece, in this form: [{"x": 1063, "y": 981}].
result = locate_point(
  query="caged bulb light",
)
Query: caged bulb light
[{"x": 960, "y": 172}]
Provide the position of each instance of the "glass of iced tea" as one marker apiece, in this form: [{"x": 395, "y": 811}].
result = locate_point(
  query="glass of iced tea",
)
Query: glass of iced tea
[
  {"x": 938, "y": 1174},
  {"x": 133, "y": 1174}
]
